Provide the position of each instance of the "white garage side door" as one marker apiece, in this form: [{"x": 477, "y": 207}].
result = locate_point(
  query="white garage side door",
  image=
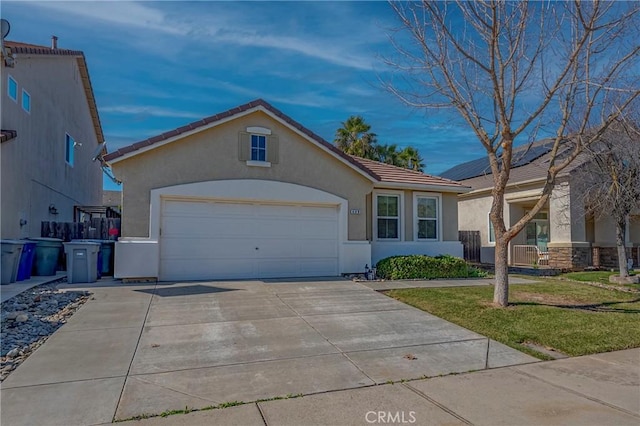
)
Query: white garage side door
[{"x": 208, "y": 239}]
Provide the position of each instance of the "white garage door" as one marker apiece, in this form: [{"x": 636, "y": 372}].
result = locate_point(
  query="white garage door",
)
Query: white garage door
[{"x": 208, "y": 239}]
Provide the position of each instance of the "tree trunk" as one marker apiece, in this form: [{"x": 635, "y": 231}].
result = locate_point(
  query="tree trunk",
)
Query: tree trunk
[
  {"x": 621, "y": 227},
  {"x": 501, "y": 289}
]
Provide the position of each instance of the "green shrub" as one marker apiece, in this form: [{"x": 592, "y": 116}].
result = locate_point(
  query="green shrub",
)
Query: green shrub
[{"x": 425, "y": 267}]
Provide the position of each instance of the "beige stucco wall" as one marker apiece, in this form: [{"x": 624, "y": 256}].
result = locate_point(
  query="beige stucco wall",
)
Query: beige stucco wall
[
  {"x": 213, "y": 155},
  {"x": 34, "y": 171},
  {"x": 450, "y": 217}
]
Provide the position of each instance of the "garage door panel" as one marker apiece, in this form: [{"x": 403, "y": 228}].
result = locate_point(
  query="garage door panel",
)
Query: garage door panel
[
  {"x": 202, "y": 248},
  {"x": 328, "y": 213},
  {"x": 196, "y": 269},
  {"x": 319, "y": 249},
  {"x": 319, "y": 230},
  {"x": 276, "y": 228},
  {"x": 223, "y": 240},
  {"x": 199, "y": 227},
  {"x": 269, "y": 248},
  {"x": 178, "y": 208},
  {"x": 319, "y": 267}
]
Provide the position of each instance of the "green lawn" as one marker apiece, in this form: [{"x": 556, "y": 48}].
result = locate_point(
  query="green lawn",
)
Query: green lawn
[
  {"x": 597, "y": 277},
  {"x": 574, "y": 319}
]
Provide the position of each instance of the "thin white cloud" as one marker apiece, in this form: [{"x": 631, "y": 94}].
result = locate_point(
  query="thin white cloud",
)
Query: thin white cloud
[
  {"x": 149, "y": 110},
  {"x": 213, "y": 30},
  {"x": 117, "y": 13},
  {"x": 311, "y": 48}
]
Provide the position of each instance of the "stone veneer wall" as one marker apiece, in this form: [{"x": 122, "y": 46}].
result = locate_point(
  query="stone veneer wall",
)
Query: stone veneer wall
[
  {"x": 609, "y": 256},
  {"x": 569, "y": 257}
]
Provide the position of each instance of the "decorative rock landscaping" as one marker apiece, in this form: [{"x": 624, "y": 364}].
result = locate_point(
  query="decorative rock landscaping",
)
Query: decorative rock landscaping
[{"x": 29, "y": 318}]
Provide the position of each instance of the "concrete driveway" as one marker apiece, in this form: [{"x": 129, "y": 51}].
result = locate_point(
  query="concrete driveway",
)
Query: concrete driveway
[{"x": 143, "y": 349}]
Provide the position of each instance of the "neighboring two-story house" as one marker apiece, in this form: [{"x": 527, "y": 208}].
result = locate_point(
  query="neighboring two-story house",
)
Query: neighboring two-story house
[{"x": 50, "y": 133}]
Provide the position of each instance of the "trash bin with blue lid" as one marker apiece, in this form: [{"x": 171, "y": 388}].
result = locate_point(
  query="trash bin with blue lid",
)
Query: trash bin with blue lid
[
  {"x": 10, "y": 259},
  {"x": 47, "y": 254},
  {"x": 26, "y": 260},
  {"x": 82, "y": 261}
]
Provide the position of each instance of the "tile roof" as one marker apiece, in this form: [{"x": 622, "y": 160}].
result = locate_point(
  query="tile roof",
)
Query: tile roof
[
  {"x": 378, "y": 171},
  {"x": 34, "y": 49},
  {"x": 6, "y": 135},
  {"x": 20, "y": 48},
  {"x": 395, "y": 174}
]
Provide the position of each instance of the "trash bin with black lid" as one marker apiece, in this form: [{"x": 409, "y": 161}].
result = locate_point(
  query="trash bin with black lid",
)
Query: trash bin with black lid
[
  {"x": 105, "y": 257},
  {"x": 82, "y": 261},
  {"x": 47, "y": 254},
  {"x": 10, "y": 259}
]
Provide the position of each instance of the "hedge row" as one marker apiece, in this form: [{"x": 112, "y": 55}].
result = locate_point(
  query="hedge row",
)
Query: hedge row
[{"x": 425, "y": 267}]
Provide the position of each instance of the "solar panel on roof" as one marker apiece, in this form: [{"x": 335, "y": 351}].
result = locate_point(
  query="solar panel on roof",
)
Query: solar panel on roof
[
  {"x": 527, "y": 156},
  {"x": 480, "y": 166}
]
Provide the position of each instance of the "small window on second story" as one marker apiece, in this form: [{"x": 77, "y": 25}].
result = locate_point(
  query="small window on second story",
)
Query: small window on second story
[
  {"x": 12, "y": 88},
  {"x": 26, "y": 101},
  {"x": 69, "y": 146},
  {"x": 258, "y": 148}
]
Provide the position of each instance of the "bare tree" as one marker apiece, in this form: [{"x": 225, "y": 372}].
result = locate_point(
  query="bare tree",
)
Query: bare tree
[
  {"x": 609, "y": 179},
  {"x": 512, "y": 70}
]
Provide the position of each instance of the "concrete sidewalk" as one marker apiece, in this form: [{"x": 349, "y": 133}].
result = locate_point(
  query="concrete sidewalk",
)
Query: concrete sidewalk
[
  {"x": 460, "y": 282},
  {"x": 601, "y": 389},
  {"x": 7, "y": 291}
]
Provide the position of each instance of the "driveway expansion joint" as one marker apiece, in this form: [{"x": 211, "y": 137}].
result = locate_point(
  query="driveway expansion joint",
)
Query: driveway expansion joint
[
  {"x": 327, "y": 339},
  {"x": 146, "y": 315},
  {"x": 573, "y": 391},
  {"x": 436, "y": 403}
]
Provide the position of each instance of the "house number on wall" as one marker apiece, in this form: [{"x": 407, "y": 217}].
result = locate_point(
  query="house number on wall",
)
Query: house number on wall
[{"x": 355, "y": 211}]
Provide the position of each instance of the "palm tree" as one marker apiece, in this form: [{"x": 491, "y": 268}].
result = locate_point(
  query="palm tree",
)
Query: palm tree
[
  {"x": 410, "y": 158},
  {"x": 354, "y": 137},
  {"x": 386, "y": 154}
]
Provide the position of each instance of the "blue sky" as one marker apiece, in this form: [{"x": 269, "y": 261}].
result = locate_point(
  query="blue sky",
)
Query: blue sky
[{"x": 156, "y": 66}]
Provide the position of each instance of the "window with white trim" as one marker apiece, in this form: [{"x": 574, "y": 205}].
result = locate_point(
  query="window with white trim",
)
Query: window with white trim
[
  {"x": 26, "y": 101},
  {"x": 69, "y": 146},
  {"x": 258, "y": 148},
  {"x": 492, "y": 231},
  {"x": 388, "y": 217},
  {"x": 427, "y": 218},
  {"x": 12, "y": 88}
]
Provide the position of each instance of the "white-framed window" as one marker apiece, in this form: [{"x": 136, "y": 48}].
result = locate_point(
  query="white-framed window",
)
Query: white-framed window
[
  {"x": 427, "y": 217},
  {"x": 69, "y": 147},
  {"x": 492, "y": 231},
  {"x": 388, "y": 213},
  {"x": 12, "y": 88},
  {"x": 258, "y": 148},
  {"x": 26, "y": 101}
]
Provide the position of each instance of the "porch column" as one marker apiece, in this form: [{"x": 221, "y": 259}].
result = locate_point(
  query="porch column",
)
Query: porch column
[{"x": 568, "y": 248}]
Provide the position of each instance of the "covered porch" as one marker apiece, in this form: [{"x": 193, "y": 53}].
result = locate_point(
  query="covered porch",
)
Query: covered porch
[{"x": 563, "y": 236}]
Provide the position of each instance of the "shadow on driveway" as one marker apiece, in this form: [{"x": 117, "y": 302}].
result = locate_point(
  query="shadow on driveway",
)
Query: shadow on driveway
[{"x": 185, "y": 291}]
